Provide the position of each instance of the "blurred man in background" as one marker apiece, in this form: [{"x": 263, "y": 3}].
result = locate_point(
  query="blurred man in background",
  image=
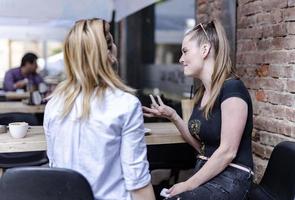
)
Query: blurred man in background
[{"x": 24, "y": 76}]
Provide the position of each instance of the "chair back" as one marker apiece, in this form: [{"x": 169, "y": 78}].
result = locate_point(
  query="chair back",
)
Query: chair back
[
  {"x": 7, "y": 118},
  {"x": 278, "y": 181},
  {"x": 36, "y": 183}
]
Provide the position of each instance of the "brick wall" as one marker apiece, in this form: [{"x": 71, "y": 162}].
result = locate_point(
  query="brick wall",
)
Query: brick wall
[
  {"x": 207, "y": 9},
  {"x": 265, "y": 58}
]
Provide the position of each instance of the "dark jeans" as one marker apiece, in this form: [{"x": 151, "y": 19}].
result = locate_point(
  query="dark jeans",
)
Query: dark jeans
[{"x": 230, "y": 184}]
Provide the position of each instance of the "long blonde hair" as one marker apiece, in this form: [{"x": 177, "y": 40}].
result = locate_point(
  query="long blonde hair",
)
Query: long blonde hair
[
  {"x": 88, "y": 65},
  {"x": 223, "y": 68}
]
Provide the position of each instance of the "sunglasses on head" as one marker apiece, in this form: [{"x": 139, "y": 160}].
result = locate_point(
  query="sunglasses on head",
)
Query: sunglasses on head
[{"x": 200, "y": 25}]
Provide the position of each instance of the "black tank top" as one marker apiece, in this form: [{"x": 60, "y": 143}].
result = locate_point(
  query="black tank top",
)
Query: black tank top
[{"x": 208, "y": 131}]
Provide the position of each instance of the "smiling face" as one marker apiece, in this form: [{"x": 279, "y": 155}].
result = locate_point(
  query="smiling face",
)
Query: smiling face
[{"x": 191, "y": 58}]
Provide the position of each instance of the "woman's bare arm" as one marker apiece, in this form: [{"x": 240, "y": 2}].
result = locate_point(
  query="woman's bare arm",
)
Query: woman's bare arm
[
  {"x": 146, "y": 192},
  {"x": 234, "y": 116}
]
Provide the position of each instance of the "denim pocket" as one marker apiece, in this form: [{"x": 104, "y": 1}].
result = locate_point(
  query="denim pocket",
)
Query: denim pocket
[{"x": 223, "y": 183}]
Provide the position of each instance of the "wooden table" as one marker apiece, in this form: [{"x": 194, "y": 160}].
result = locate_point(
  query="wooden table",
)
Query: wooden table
[
  {"x": 161, "y": 133},
  {"x": 15, "y": 106},
  {"x": 16, "y": 95}
]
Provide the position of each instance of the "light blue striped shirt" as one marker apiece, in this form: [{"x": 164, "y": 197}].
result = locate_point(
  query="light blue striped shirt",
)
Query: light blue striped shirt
[{"x": 108, "y": 148}]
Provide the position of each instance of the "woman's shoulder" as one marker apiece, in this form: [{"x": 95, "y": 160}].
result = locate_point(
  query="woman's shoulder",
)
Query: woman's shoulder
[
  {"x": 53, "y": 106},
  {"x": 53, "y": 102},
  {"x": 125, "y": 98},
  {"x": 234, "y": 87},
  {"x": 233, "y": 81},
  {"x": 234, "y": 84}
]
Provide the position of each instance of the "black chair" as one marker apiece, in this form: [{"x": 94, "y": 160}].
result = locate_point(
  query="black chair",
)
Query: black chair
[
  {"x": 36, "y": 183},
  {"x": 278, "y": 181},
  {"x": 9, "y": 160},
  {"x": 170, "y": 156},
  {"x": 2, "y": 98}
]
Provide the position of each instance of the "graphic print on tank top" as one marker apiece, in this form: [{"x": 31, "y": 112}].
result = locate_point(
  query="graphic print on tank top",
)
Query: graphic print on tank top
[{"x": 194, "y": 126}]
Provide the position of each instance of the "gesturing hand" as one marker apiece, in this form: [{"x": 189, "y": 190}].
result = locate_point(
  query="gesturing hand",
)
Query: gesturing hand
[{"x": 158, "y": 109}]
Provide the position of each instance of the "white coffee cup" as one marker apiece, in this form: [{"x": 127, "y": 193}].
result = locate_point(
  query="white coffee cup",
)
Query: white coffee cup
[{"x": 18, "y": 129}]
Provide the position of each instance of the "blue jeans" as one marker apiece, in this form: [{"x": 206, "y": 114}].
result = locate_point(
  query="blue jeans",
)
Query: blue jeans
[{"x": 230, "y": 184}]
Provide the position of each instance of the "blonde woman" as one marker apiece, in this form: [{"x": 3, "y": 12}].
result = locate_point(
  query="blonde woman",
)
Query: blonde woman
[
  {"x": 221, "y": 123},
  {"x": 93, "y": 122}
]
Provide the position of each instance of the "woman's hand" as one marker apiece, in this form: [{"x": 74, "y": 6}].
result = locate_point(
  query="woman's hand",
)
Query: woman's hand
[
  {"x": 159, "y": 109},
  {"x": 178, "y": 188}
]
